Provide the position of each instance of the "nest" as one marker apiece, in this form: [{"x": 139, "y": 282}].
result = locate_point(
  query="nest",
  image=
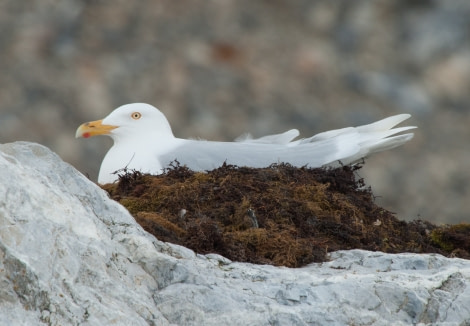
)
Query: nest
[{"x": 279, "y": 215}]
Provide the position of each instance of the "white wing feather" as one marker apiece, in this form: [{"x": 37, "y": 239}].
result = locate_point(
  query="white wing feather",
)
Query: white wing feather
[
  {"x": 347, "y": 145},
  {"x": 283, "y": 138}
]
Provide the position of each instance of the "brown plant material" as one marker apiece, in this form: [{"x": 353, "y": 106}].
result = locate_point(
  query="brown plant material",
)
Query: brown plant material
[{"x": 280, "y": 215}]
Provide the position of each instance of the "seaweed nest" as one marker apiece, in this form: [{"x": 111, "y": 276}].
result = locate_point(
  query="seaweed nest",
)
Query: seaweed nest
[{"x": 280, "y": 215}]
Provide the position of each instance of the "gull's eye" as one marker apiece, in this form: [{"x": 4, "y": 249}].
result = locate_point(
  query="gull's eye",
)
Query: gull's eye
[{"x": 136, "y": 115}]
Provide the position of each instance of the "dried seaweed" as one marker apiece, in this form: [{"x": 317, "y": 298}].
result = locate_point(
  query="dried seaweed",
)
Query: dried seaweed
[{"x": 280, "y": 215}]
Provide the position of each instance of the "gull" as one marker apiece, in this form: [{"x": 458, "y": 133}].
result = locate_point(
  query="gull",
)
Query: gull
[{"x": 144, "y": 141}]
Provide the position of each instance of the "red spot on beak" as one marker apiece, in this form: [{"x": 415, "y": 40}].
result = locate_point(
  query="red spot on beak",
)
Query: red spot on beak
[{"x": 86, "y": 135}]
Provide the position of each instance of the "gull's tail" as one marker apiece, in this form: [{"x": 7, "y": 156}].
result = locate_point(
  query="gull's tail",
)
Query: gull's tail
[
  {"x": 346, "y": 145},
  {"x": 376, "y": 137},
  {"x": 354, "y": 143}
]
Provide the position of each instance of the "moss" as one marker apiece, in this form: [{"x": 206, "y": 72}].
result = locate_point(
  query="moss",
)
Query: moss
[
  {"x": 279, "y": 215},
  {"x": 452, "y": 237}
]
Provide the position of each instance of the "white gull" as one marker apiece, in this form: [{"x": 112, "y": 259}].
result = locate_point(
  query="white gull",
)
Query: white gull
[{"x": 143, "y": 141}]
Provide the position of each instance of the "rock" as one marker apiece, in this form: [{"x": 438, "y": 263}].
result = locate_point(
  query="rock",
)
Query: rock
[{"x": 69, "y": 255}]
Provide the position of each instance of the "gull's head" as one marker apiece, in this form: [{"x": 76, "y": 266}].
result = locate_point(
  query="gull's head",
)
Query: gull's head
[{"x": 128, "y": 121}]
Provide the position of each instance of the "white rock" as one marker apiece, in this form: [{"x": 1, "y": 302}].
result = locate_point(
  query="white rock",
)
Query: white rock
[{"x": 71, "y": 256}]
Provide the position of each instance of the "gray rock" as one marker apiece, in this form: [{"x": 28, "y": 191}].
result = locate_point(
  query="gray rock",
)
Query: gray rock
[{"x": 71, "y": 256}]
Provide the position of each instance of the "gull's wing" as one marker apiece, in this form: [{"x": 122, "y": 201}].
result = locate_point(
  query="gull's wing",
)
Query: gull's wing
[
  {"x": 283, "y": 138},
  {"x": 346, "y": 145},
  {"x": 207, "y": 155}
]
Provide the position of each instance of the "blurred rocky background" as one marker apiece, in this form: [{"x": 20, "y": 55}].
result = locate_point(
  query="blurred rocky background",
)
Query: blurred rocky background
[{"x": 218, "y": 69}]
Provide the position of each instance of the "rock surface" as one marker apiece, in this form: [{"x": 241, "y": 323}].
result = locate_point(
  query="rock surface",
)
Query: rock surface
[{"x": 71, "y": 256}]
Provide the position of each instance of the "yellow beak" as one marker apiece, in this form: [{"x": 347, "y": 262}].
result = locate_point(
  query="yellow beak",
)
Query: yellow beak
[{"x": 93, "y": 128}]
